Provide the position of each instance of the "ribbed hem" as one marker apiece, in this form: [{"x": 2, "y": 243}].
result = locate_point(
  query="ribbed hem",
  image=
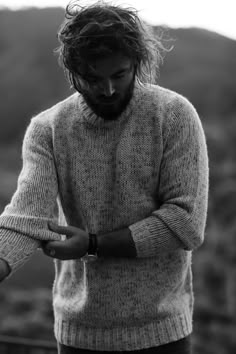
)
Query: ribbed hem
[
  {"x": 151, "y": 237},
  {"x": 27, "y": 226},
  {"x": 16, "y": 249},
  {"x": 154, "y": 334}
]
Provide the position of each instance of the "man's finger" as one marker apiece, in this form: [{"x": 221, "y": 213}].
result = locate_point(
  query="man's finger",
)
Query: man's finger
[
  {"x": 63, "y": 246},
  {"x": 65, "y": 230},
  {"x": 47, "y": 248},
  {"x": 61, "y": 249}
]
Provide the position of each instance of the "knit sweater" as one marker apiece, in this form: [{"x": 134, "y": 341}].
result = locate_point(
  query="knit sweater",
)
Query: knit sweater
[{"x": 146, "y": 170}]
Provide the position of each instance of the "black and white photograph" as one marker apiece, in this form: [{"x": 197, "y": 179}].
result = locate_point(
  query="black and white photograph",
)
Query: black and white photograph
[{"x": 117, "y": 177}]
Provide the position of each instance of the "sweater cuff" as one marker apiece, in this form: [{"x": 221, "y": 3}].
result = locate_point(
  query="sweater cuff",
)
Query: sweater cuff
[
  {"x": 16, "y": 248},
  {"x": 152, "y": 237}
]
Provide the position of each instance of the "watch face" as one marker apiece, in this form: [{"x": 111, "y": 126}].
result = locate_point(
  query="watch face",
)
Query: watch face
[{"x": 89, "y": 258}]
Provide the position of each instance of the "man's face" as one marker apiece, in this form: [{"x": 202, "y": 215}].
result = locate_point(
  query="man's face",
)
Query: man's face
[{"x": 108, "y": 86}]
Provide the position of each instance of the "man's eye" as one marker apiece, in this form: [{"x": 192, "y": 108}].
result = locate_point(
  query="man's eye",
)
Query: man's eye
[{"x": 119, "y": 76}]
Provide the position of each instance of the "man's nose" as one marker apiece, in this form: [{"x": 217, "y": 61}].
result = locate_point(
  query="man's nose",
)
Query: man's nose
[{"x": 108, "y": 88}]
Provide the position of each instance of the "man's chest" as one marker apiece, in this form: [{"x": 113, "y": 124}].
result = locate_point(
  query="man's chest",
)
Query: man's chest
[{"x": 115, "y": 158}]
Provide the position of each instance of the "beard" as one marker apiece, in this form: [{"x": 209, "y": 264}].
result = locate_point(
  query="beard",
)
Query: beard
[{"x": 109, "y": 108}]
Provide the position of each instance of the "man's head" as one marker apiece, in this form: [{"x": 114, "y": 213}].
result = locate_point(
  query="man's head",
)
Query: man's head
[
  {"x": 108, "y": 86},
  {"x": 103, "y": 49}
]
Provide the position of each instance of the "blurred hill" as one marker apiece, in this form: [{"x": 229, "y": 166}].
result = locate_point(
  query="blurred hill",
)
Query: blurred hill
[
  {"x": 202, "y": 67},
  {"x": 30, "y": 77}
]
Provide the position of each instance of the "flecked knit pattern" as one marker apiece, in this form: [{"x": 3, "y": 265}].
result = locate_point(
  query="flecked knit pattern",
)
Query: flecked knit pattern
[{"x": 147, "y": 170}]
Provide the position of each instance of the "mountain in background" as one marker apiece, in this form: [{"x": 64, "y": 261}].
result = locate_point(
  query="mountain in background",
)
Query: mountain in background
[{"x": 202, "y": 66}]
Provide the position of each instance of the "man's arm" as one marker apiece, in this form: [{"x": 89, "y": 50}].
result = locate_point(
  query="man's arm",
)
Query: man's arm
[
  {"x": 24, "y": 222},
  {"x": 115, "y": 244},
  {"x": 179, "y": 222},
  {"x": 118, "y": 243}
]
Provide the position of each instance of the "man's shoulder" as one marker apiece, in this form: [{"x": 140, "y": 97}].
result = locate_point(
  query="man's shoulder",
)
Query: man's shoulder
[
  {"x": 60, "y": 110},
  {"x": 172, "y": 108},
  {"x": 165, "y": 96}
]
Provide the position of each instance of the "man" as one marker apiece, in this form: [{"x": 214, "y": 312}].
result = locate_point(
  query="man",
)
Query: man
[{"x": 127, "y": 163}]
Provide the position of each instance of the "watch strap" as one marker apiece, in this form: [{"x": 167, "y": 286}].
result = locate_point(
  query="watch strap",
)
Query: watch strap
[{"x": 93, "y": 244}]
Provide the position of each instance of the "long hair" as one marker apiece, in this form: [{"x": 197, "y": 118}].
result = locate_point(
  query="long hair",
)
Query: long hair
[{"x": 98, "y": 30}]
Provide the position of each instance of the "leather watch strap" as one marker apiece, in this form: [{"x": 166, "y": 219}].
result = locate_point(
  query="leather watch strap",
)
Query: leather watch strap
[{"x": 93, "y": 244}]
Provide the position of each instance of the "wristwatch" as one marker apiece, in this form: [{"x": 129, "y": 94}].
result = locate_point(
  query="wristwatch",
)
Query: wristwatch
[{"x": 92, "y": 249}]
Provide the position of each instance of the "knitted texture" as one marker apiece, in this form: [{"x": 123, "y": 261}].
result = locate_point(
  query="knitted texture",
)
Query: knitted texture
[{"x": 147, "y": 170}]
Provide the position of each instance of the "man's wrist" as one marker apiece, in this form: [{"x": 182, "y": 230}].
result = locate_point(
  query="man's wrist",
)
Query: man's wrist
[{"x": 118, "y": 243}]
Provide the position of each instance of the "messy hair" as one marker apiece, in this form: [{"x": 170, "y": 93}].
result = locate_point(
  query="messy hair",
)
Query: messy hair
[{"x": 101, "y": 29}]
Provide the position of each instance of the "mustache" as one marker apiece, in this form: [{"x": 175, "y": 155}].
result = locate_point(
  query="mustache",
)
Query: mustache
[{"x": 112, "y": 98}]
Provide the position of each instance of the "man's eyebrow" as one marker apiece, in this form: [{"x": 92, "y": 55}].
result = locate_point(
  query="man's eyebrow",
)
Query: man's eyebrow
[
  {"x": 121, "y": 71},
  {"x": 93, "y": 74},
  {"x": 125, "y": 68}
]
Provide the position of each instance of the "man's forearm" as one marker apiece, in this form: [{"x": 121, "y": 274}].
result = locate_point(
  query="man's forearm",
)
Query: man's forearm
[{"x": 116, "y": 244}]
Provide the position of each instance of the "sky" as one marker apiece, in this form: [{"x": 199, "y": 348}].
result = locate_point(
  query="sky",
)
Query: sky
[{"x": 214, "y": 15}]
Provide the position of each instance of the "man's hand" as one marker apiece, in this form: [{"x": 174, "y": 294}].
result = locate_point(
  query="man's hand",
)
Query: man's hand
[
  {"x": 74, "y": 247},
  {"x": 4, "y": 269}
]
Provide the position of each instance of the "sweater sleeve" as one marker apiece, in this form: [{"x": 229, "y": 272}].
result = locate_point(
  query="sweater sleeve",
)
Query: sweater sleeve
[
  {"x": 23, "y": 224},
  {"x": 180, "y": 220}
]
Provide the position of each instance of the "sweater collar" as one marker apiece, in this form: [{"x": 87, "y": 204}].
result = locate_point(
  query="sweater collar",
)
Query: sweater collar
[{"x": 91, "y": 118}]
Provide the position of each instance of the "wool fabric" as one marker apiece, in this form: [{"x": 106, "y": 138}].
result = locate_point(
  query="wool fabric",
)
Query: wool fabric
[{"x": 146, "y": 170}]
